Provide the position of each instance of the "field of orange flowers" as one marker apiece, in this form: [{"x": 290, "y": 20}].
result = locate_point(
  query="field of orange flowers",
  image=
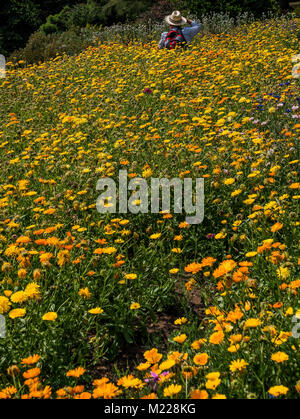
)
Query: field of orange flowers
[{"x": 79, "y": 288}]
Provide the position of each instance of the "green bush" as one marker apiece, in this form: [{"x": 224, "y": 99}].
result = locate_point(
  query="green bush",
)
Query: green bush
[
  {"x": 42, "y": 47},
  {"x": 80, "y": 15},
  {"x": 56, "y": 23}
]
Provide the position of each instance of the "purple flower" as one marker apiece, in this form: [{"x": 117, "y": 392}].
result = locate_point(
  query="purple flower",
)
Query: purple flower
[
  {"x": 155, "y": 378},
  {"x": 210, "y": 236},
  {"x": 148, "y": 91}
]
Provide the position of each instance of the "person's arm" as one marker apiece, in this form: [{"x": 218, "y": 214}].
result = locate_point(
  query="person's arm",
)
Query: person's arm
[{"x": 194, "y": 29}]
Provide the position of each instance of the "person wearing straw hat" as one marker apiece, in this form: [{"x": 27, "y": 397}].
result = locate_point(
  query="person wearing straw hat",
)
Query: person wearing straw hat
[{"x": 176, "y": 21}]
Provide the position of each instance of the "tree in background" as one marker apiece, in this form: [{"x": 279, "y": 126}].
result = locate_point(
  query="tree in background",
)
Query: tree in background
[
  {"x": 20, "y": 18},
  {"x": 79, "y": 15},
  {"x": 120, "y": 11}
]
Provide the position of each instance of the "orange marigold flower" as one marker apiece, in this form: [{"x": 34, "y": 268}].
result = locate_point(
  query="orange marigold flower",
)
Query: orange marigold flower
[
  {"x": 238, "y": 365},
  {"x": 33, "y": 359},
  {"x": 172, "y": 390},
  {"x": 32, "y": 373},
  {"x": 279, "y": 357},
  {"x": 278, "y": 390},
  {"x": 193, "y": 267},
  {"x": 77, "y": 372},
  {"x": 85, "y": 395},
  {"x": 150, "y": 396},
  {"x": 180, "y": 338},
  {"x": 252, "y": 323},
  {"x": 225, "y": 267},
  {"x": 209, "y": 261},
  {"x": 276, "y": 227},
  {"x": 199, "y": 394},
  {"x": 50, "y": 316},
  {"x": 201, "y": 359},
  {"x": 106, "y": 391},
  {"x": 152, "y": 356},
  {"x": 216, "y": 338},
  {"x": 130, "y": 381}
]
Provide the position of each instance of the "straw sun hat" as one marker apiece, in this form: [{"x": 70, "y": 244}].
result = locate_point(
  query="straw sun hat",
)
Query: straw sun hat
[{"x": 175, "y": 19}]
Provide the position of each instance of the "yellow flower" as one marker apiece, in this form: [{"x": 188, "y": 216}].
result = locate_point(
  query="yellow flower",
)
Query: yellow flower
[
  {"x": 22, "y": 273},
  {"x": 176, "y": 250},
  {"x": 4, "y": 304},
  {"x": 233, "y": 348},
  {"x": 32, "y": 290},
  {"x": 229, "y": 181},
  {"x": 197, "y": 343},
  {"x": 213, "y": 380},
  {"x": 216, "y": 338},
  {"x": 31, "y": 373},
  {"x": 134, "y": 306},
  {"x": 19, "y": 297},
  {"x": 147, "y": 173},
  {"x": 199, "y": 394},
  {"x": 131, "y": 276},
  {"x": 84, "y": 292},
  {"x": 96, "y": 310},
  {"x": 180, "y": 338},
  {"x": 45, "y": 258},
  {"x": 144, "y": 366},
  {"x": 212, "y": 376},
  {"x": 182, "y": 320},
  {"x": 193, "y": 267},
  {"x": 276, "y": 227},
  {"x": 172, "y": 390},
  {"x": 155, "y": 236},
  {"x": 152, "y": 356},
  {"x": 283, "y": 273},
  {"x": 238, "y": 365},
  {"x": 17, "y": 312},
  {"x": 278, "y": 390},
  {"x": 169, "y": 363},
  {"x": 50, "y": 316},
  {"x": 219, "y": 396},
  {"x": 77, "y": 372},
  {"x": 200, "y": 359},
  {"x": 220, "y": 236},
  {"x": 252, "y": 323},
  {"x": 30, "y": 360},
  {"x": 130, "y": 381},
  {"x": 279, "y": 357},
  {"x": 251, "y": 254}
]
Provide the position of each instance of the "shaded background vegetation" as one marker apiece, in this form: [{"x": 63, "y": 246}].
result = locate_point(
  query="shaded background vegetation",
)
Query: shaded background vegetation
[{"x": 42, "y": 19}]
